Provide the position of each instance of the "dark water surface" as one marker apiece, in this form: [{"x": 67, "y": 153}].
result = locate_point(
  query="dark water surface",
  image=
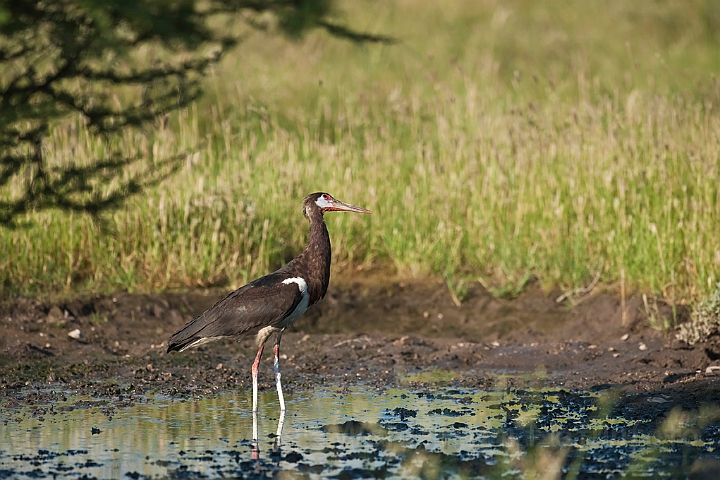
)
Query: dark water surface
[{"x": 358, "y": 432}]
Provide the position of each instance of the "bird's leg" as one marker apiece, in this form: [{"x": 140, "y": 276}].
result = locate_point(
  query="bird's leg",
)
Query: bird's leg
[
  {"x": 281, "y": 421},
  {"x": 276, "y": 367},
  {"x": 255, "y": 366},
  {"x": 255, "y": 445}
]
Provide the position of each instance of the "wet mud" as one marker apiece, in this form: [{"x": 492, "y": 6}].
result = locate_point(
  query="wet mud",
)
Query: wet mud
[{"x": 100, "y": 357}]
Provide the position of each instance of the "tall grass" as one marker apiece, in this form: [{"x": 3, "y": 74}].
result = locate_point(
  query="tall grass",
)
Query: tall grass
[{"x": 498, "y": 140}]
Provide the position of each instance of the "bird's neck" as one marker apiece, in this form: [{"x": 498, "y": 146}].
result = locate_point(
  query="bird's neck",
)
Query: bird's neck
[{"x": 316, "y": 260}]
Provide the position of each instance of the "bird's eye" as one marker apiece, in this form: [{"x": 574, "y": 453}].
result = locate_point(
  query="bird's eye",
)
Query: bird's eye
[{"x": 326, "y": 197}]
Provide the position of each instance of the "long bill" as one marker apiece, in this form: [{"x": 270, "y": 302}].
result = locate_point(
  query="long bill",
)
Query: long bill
[{"x": 338, "y": 206}]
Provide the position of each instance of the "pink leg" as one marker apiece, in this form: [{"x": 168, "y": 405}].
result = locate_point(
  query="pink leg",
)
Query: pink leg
[{"x": 255, "y": 366}]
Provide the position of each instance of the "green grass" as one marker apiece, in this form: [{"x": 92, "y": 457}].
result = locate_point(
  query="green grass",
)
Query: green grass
[{"x": 498, "y": 140}]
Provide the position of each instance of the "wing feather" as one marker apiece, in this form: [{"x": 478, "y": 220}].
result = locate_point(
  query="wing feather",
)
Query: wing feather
[{"x": 262, "y": 303}]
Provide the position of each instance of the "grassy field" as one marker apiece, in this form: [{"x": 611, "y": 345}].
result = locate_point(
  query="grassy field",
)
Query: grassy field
[{"x": 497, "y": 140}]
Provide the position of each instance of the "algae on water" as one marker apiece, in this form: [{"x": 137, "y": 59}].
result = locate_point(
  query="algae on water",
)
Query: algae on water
[{"x": 705, "y": 320}]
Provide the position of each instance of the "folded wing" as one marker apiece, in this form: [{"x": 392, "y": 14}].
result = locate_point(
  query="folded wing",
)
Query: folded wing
[{"x": 266, "y": 302}]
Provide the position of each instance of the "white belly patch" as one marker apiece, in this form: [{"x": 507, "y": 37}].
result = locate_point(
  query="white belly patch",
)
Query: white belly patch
[
  {"x": 304, "y": 302},
  {"x": 265, "y": 332}
]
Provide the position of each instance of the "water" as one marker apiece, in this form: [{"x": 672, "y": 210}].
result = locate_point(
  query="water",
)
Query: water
[{"x": 438, "y": 432}]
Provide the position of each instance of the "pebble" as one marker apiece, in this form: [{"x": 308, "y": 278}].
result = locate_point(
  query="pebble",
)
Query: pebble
[{"x": 76, "y": 334}]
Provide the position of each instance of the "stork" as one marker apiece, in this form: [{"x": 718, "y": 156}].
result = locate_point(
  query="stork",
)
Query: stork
[{"x": 270, "y": 304}]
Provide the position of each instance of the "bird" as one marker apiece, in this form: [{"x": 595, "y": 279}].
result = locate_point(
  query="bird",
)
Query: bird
[{"x": 268, "y": 305}]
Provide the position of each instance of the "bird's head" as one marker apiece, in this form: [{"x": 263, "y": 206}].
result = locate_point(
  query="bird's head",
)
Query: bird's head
[{"x": 322, "y": 202}]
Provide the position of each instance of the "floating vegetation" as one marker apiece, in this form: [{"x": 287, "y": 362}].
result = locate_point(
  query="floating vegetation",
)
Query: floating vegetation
[{"x": 350, "y": 433}]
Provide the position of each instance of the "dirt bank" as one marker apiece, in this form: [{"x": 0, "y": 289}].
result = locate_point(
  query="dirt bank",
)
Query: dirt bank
[{"x": 376, "y": 332}]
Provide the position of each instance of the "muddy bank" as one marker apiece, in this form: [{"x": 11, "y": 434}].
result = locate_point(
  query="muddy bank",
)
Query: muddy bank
[{"x": 373, "y": 332}]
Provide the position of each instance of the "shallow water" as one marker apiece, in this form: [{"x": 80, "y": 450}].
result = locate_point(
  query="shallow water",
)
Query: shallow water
[{"x": 414, "y": 431}]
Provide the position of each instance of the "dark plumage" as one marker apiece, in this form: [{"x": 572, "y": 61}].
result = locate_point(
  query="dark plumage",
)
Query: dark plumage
[{"x": 271, "y": 303}]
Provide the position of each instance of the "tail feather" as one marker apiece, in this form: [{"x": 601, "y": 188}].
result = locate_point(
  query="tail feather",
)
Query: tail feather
[
  {"x": 181, "y": 346},
  {"x": 177, "y": 345},
  {"x": 190, "y": 335},
  {"x": 219, "y": 321}
]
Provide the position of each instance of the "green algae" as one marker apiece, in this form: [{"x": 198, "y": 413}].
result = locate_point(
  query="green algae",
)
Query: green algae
[{"x": 432, "y": 432}]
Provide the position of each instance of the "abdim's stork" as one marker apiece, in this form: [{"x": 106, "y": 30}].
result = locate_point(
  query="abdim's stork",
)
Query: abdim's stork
[{"x": 271, "y": 303}]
